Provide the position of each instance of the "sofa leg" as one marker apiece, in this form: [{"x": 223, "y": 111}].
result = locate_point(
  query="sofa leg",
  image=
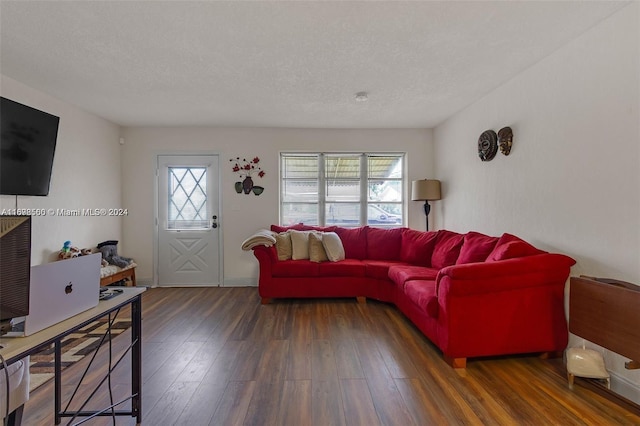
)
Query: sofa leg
[
  {"x": 361, "y": 299},
  {"x": 456, "y": 362},
  {"x": 265, "y": 300}
]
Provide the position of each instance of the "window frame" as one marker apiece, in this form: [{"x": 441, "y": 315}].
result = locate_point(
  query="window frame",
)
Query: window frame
[{"x": 364, "y": 180}]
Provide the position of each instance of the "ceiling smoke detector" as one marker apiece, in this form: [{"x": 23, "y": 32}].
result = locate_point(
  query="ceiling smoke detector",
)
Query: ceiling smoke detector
[{"x": 362, "y": 97}]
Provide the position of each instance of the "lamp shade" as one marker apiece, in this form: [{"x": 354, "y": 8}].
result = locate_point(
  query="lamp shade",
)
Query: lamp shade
[{"x": 425, "y": 189}]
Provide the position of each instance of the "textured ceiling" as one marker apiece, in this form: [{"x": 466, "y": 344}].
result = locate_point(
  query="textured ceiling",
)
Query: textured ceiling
[{"x": 281, "y": 64}]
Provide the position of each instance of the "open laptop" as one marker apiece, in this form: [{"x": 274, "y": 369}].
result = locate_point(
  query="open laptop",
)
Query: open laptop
[{"x": 58, "y": 291}]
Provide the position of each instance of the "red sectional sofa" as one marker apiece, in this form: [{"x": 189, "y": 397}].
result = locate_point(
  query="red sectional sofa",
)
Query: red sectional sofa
[{"x": 471, "y": 294}]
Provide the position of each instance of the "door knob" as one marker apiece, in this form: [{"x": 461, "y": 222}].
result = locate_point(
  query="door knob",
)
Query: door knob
[{"x": 214, "y": 224}]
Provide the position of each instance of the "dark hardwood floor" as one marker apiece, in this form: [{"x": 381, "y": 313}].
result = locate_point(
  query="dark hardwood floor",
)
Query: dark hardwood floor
[{"x": 216, "y": 356}]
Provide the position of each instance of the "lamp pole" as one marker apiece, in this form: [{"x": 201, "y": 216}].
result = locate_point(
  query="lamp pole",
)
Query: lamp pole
[
  {"x": 427, "y": 209},
  {"x": 426, "y": 190}
]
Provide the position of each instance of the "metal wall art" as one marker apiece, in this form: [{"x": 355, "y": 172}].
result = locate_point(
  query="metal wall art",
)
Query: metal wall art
[
  {"x": 245, "y": 170},
  {"x": 487, "y": 145}
]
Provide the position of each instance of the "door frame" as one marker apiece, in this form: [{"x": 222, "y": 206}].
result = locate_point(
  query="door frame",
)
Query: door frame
[{"x": 154, "y": 219}]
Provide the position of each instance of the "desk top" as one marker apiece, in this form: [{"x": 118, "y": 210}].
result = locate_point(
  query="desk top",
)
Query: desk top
[{"x": 14, "y": 348}]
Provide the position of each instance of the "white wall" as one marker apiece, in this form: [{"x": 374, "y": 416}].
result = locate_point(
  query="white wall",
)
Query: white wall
[
  {"x": 572, "y": 181},
  {"x": 244, "y": 214},
  {"x": 86, "y": 174}
]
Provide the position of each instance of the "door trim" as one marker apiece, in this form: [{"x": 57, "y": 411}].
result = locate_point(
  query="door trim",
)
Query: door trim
[{"x": 154, "y": 220}]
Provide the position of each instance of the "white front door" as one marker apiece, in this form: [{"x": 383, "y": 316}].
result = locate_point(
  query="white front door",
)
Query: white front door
[{"x": 188, "y": 211}]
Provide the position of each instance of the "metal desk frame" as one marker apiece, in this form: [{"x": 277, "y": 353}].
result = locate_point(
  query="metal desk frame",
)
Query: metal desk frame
[{"x": 16, "y": 348}]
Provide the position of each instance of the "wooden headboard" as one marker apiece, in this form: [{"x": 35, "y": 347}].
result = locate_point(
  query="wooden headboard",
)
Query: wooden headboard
[{"x": 607, "y": 313}]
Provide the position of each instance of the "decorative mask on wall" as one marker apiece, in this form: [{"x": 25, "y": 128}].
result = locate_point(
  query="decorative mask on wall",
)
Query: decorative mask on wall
[
  {"x": 487, "y": 145},
  {"x": 505, "y": 139},
  {"x": 489, "y": 142}
]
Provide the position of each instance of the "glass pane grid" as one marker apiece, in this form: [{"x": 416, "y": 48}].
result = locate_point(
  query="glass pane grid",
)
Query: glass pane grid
[
  {"x": 384, "y": 166},
  {"x": 342, "y": 167},
  {"x": 305, "y": 167},
  {"x": 342, "y": 214},
  {"x": 293, "y": 213},
  {"x": 187, "y": 199},
  {"x": 340, "y": 177},
  {"x": 384, "y": 190},
  {"x": 299, "y": 190},
  {"x": 342, "y": 190}
]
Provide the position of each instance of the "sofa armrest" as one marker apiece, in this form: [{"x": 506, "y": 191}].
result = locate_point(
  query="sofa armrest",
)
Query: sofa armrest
[
  {"x": 266, "y": 255},
  {"x": 503, "y": 307},
  {"x": 504, "y": 275}
]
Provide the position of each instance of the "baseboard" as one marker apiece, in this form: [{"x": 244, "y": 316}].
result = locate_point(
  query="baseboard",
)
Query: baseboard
[
  {"x": 144, "y": 282},
  {"x": 624, "y": 387},
  {"x": 240, "y": 282},
  {"x": 229, "y": 282},
  {"x": 619, "y": 385}
]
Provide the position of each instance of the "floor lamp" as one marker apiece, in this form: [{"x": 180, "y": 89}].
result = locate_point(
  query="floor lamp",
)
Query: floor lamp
[{"x": 425, "y": 190}]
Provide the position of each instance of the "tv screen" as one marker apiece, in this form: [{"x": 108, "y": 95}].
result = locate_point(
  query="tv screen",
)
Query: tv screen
[{"x": 28, "y": 142}]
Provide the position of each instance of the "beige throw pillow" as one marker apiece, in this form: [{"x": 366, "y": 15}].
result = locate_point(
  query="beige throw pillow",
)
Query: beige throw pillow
[
  {"x": 333, "y": 246},
  {"x": 316, "y": 249},
  {"x": 299, "y": 244},
  {"x": 283, "y": 245}
]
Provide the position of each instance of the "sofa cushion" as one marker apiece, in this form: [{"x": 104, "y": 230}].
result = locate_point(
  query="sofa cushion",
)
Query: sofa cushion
[
  {"x": 354, "y": 241},
  {"x": 476, "y": 247},
  {"x": 316, "y": 249},
  {"x": 344, "y": 268},
  {"x": 447, "y": 249},
  {"x": 379, "y": 269},
  {"x": 299, "y": 244},
  {"x": 400, "y": 274},
  {"x": 279, "y": 229},
  {"x": 283, "y": 245},
  {"x": 321, "y": 228},
  {"x": 423, "y": 294},
  {"x": 295, "y": 268},
  {"x": 333, "y": 246},
  {"x": 507, "y": 238},
  {"x": 417, "y": 246},
  {"x": 513, "y": 249},
  {"x": 302, "y": 227},
  {"x": 384, "y": 244}
]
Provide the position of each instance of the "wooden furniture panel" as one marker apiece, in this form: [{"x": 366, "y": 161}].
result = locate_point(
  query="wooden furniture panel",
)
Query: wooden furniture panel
[
  {"x": 129, "y": 274},
  {"x": 606, "y": 312}
]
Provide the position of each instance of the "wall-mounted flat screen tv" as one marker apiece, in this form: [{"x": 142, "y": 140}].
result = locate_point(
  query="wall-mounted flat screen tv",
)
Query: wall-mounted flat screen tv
[{"x": 28, "y": 142}]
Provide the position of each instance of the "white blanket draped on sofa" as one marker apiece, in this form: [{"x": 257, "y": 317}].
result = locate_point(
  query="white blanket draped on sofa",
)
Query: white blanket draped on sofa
[{"x": 263, "y": 237}]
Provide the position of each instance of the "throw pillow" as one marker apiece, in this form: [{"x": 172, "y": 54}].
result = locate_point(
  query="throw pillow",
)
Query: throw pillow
[
  {"x": 447, "y": 249},
  {"x": 316, "y": 249},
  {"x": 507, "y": 238},
  {"x": 384, "y": 244},
  {"x": 279, "y": 229},
  {"x": 476, "y": 247},
  {"x": 302, "y": 227},
  {"x": 333, "y": 246},
  {"x": 283, "y": 246},
  {"x": 513, "y": 249},
  {"x": 299, "y": 244},
  {"x": 354, "y": 241},
  {"x": 417, "y": 247}
]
